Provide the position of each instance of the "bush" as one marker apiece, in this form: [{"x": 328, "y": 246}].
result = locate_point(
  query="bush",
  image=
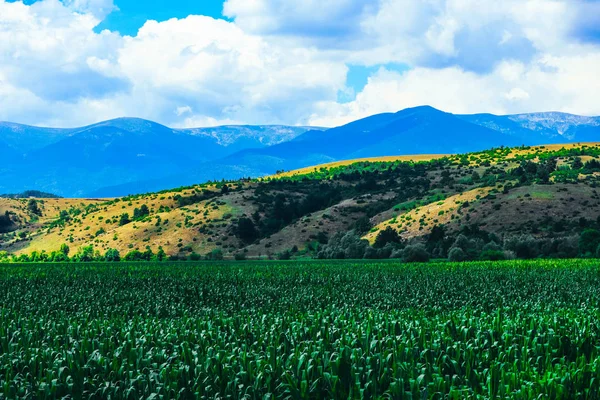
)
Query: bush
[
  {"x": 112, "y": 255},
  {"x": 492, "y": 255},
  {"x": 415, "y": 253},
  {"x": 124, "y": 219},
  {"x": 342, "y": 245},
  {"x": 246, "y": 230},
  {"x": 456, "y": 254},
  {"x": 589, "y": 242},
  {"x": 388, "y": 235},
  {"x": 215, "y": 255}
]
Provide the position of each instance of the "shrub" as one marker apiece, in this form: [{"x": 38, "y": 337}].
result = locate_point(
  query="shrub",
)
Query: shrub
[
  {"x": 589, "y": 242},
  {"x": 388, "y": 235},
  {"x": 456, "y": 254},
  {"x": 215, "y": 255},
  {"x": 492, "y": 255},
  {"x": 415, "y": 253},
  {"x": 112, "y": 255}
]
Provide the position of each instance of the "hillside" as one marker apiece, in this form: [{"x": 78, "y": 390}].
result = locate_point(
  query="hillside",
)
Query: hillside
[{"x": 545, "y": 195}]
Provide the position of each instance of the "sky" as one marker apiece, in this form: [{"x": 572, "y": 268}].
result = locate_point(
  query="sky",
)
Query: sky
[{"x": 190, "y": 63}]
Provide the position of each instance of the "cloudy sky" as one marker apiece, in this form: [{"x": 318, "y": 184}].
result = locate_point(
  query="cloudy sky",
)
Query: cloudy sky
[{"x": 318, "y": 62}]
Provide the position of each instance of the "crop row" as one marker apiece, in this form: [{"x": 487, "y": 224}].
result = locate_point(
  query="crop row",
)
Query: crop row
[{"x": 287, "y": 330}]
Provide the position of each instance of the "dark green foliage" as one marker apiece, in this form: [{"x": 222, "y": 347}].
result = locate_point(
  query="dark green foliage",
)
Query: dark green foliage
[
  {"x": 492, "y": 255},
  {"x": 215, "y": 255},
  {"x": 124, "y": 219},
  {"x": 362, "y": 225},
  {"x": 348, "y": 245},
  {"x": 33, "y": 207},
  {"x": 284, "y": 255},
  {"x": 136, "y": 255},
  {"x": 85, "y": 254},
  {"x": 416, "y": 253},
  {"x": 64, "y": 249},
  {"x": 183, "y": 201},
  {"x": 112, "y": 255},
  {"x": 31, "y": 193},
  {"x": 456, "y": 254},
  {"x": 5, "y": 222},
  {"x": 589, "y": 242},
  {"x": 141, "y": 213},
  {"x": 388, "y": 235},
  {"x": 246, "y": 230}
]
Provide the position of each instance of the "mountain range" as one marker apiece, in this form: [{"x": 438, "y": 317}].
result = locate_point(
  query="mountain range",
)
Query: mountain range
[{"x": 129, "y": 155}]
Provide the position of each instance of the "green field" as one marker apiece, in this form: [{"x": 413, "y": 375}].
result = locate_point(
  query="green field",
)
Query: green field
[{"x": 522, "y": 330}]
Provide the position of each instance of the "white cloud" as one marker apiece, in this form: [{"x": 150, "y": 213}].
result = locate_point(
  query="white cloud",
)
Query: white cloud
[
  {"x": 98, "y": 8},
  {"x": 286, "y": 62},
  {"x": 568, "y": 84}
]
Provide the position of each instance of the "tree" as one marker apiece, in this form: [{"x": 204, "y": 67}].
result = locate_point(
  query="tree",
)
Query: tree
[
  {"x": 456, "y": 254},
  {"x": 246, "y": 230},
  {"x": 589, "y": 242},
  {"x": 64, "y": 249},
  {"x": 5, "y": 220},
  {"x": 388, "y": 235},
  {"x": 140, "y": 213},
  {"x": 362, "y": 225},
  {"x": 86, "y": 254},
  {"x": 124, "y": 219},
  {"x": 33, "y": 208},
  {"x": 438, "y": 233},
  {"x": 216, "y": 255},
  {"x": 112, "y": 255},
  {"x": 415, "y": 253},
  {"x": 284, "y": 255},
  {"x": 160, "y": 254},
  {"x": 348, "y": 245},
  {"x": 134, "y": 255}
]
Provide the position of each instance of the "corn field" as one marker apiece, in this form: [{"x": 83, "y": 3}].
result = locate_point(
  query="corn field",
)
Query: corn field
[{"x": 380, "y": 330}]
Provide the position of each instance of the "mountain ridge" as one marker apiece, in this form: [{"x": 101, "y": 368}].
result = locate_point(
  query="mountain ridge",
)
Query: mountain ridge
[{"x": 133, "y": 155}]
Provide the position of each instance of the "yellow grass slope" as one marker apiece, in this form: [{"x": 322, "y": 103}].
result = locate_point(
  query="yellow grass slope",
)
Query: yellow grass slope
[
  {"x": 308, "y": 170},
  {"x": 168, "y": 225},
  {"x": 421, "y": 220}
]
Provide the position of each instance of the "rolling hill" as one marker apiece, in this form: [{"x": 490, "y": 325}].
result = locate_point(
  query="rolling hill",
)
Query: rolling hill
[{"x": 493, "y": 200}]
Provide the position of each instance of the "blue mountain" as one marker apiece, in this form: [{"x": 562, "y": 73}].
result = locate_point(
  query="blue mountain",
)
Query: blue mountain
[
  {"x": 129, "y": 155},
  {"x": 555, "y": 127},
  {"x": 74, "y": 162}
]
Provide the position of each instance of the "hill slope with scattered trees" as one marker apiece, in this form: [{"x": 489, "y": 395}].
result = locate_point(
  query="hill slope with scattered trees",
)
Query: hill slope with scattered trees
[{"x": 525, "y": 202}]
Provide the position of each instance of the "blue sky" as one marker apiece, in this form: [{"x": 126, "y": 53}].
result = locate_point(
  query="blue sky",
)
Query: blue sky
[
  {"x": 209, "y": 62},
  {"x": 132, "y": 14}
]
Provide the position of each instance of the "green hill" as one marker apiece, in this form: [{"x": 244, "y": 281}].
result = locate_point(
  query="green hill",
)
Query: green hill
[{"x": 510, "y": 202}]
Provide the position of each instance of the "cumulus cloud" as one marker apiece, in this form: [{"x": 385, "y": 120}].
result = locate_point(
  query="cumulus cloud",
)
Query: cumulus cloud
[
  {"x": 550, "y": 83},
  {"x": 98, "y": 8},
  {"x": 213, "y": 67},
  {"x": 277, "y": 61}
]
